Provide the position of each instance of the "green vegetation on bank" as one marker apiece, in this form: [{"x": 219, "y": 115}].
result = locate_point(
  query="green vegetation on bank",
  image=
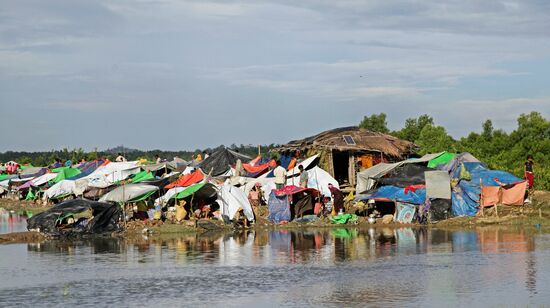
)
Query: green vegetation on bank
[{"x": 495, "y": 147}]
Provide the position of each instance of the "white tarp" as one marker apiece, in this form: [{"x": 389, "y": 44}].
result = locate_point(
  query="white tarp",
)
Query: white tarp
[
  {"x": 317, "y": 178},
  {"x": 162, "y": 200},
  {"x": 232, "y": 199},
  {"x": 61, "y": 188},
  {"x": 305, "y": 163},
  {"x": 127, "y": 192},
  {"x": 43, "y": 179},
  {"x": 438, "y": 184},
  {"x": 107, "y": 175}
]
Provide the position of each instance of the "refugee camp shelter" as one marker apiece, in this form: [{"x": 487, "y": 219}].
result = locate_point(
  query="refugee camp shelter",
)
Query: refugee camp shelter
[{"x": 341, "y": 149}]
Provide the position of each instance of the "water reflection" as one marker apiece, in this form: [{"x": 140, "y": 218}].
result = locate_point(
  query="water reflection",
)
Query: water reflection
[
  {"x": 303, "y": 246},
  {"x": 12, "y": 222},
  {"x": 334, "y": 267}
]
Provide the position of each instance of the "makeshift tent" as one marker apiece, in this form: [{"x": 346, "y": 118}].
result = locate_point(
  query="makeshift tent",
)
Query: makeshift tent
[
  {"x": 187, "y": 180},
  {"x": 406, "y": 175},
  {"x": 142, "y": 176},
  {"x": 202, "y": 190},
  {"x": 221, "y": 161},
  {"x": 62, "y": 188},
  {"x": 109, "y": 174},
  {"x": 64, "y": 173},
  {"x": 366, "y": 179},
  {"x": 394, "y": 193},
  {"x": 438, "y": 185},
  {"x": 32, "y": 172},
  {"x": 129, "y": 193},
  {"x": 442, "y": 159},
  {"x": 105, "y": 218},
  {"x": 279, "y": 209},
  {"x": 164, "y": 199},
  {"x": 232, "y": 199}
]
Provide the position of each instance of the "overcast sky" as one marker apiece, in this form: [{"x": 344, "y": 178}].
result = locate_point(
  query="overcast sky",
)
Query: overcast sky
[{"x": 175, "y": 74}]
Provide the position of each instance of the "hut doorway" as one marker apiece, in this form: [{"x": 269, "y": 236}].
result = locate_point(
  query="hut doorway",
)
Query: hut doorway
[{"x": 340, "y": 161}]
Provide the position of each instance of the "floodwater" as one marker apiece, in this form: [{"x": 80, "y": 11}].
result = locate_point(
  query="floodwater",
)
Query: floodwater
[
  {"x": 319, "y": 267},
  {"x": 12, "y": 222}
]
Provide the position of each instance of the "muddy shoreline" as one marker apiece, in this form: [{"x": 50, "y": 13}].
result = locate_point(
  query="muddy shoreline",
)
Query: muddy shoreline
[{"x": 535, "y": 215}]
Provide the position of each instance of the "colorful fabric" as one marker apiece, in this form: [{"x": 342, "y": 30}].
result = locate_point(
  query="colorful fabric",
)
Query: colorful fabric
[
  {"x": 279, "y": 209},
  {"x": 189, "y": 191},
  {"x": 405, "y": 213},
  {"x": 142, "y": 176},
  {"x": 343, "y": 219},
  {"x": 187, "y": 180},
  {"x": 530, "y": 177},
  {"x": 64, "y": 173},
  {"x": 442, "y": 159}
]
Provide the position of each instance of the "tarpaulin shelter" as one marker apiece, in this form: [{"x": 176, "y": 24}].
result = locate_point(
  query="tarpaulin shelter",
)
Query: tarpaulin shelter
[
  {"x": 187, "y": 179},
  {"x": 302, "y": 202},
  {"x": 60, "y": 189},
  {"x": 129, "y": 193},
  {"x": 105, "y": 218},
  {"x": 221, "y": 161},
  {"x": 202, "y": 190},
  {"x": 442, "y": 159},
  {"x": 64, "y": 173},
  {"x": 406, "y": 175},
  {"x": 368, "y": 178},
  {"x": 32, "y": 172},
  {"x": 232, "y": 199},
  {"x": 142, "y": 176}
]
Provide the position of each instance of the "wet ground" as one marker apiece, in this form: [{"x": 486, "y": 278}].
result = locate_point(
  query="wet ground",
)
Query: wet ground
[{"x": 319, "y": 267}]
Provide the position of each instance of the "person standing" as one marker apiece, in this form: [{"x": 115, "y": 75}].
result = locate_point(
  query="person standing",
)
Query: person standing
[
  {"x": 529, "y": 174},
  {"x": 337, "y": 199},
  {"x": 280, "y": 175},
  {"x": 304, "y": 177},
  {"x": 120, "y": 158},
  {"x": 158, "y": 160}
]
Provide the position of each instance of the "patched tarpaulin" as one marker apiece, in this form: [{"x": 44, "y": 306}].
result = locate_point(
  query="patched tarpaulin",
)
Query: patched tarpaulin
[
  {"x": 279, "y": 209},
  {"x": 438, "y": 184}
]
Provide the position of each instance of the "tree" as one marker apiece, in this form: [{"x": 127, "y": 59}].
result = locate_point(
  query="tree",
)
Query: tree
[
  {"x": 435, "y": 139},
  {"x": 413, "y": 127},
  {"x": 376, "y": 123}
]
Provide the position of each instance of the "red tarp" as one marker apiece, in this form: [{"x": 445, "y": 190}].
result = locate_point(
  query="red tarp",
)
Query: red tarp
[
  {"x": 291, "y": 190},
  {"x": 187, "y": 180}
]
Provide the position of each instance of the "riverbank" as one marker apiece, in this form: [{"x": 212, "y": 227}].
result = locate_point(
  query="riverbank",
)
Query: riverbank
[{"x": 535, "y": 215}]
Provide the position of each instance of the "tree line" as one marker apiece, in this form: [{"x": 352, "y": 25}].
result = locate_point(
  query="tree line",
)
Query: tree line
[
  {"x": 494, "y": 147},
  {"x": 46, "y": 158}
]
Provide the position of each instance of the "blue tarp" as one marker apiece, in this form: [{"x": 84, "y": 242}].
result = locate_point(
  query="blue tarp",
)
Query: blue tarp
[
  {"x": 279, "y": 209},
  {"x": 395, "y": 193},
  {"x": 285, "y": 161}
]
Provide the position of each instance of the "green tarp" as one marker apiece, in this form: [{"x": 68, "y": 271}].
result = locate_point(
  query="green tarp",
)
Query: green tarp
[
  {"x": 343, "y": 219},
  {"x": 189, "y": 191},
  {"x": 3, "y": 176},
  {"x": 64, "y": 173},
  {"x": 142, "y": 176},
  {"x": 442, "y": 159},
  {"x": 142, "y": 197}
]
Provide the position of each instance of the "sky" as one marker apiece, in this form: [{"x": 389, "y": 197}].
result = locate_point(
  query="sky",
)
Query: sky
[{"x": 182, "y": 75}]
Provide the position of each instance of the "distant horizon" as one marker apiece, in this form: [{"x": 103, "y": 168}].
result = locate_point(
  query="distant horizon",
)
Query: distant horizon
[{"x": 109, "y": 147}]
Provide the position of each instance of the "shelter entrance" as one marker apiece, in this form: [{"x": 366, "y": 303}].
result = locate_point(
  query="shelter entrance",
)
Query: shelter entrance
[{"x": 340, "y": 160}]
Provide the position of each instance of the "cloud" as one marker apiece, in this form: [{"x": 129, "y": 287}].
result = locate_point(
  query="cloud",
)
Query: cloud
[{"x": 80, "y": 106}]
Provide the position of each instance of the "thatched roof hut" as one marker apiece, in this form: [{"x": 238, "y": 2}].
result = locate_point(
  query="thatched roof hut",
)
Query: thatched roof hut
[{"x": 342, "y": 148}]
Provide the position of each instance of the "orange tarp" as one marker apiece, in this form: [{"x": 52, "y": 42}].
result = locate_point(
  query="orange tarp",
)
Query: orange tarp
[
  {"x": 254, "y": 169},
  {"x": 499, "y": 195},
  {"x": 187, "y": 180},
  {"x": 515, "y": 194},
  {"x": 490, "y": 195}
]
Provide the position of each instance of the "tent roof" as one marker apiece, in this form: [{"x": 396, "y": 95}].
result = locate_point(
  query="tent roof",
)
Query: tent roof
[
  {"x": 364, "y": 140},
  {"x": 128, "y": 192}
]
